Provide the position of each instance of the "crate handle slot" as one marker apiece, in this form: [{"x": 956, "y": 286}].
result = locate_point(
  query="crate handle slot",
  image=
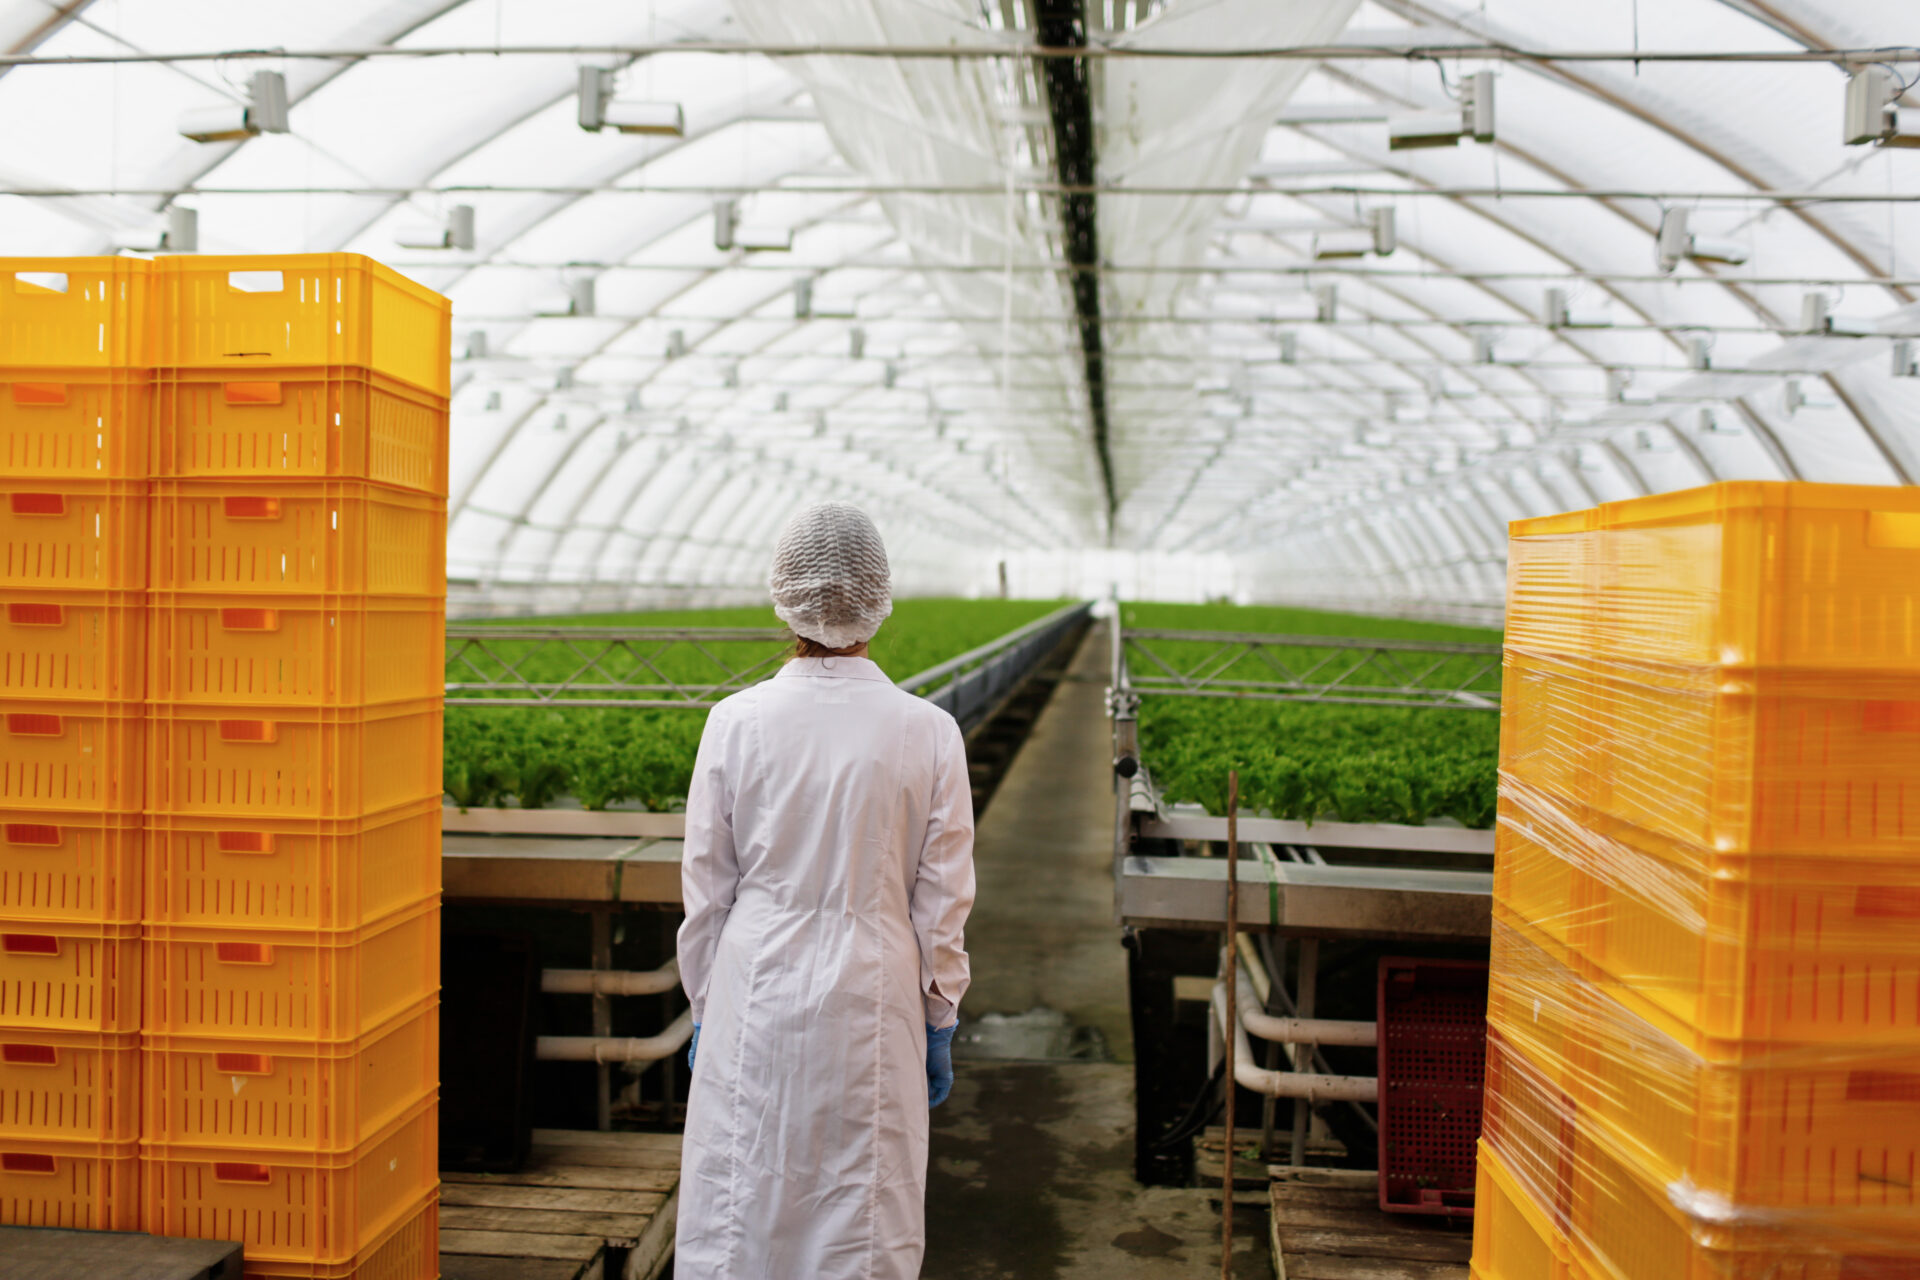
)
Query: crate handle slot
[
  {"x": 1890, "y": 717},
  {"x": 33, "y": 614},
  {"x": 43, "y": 834},
  {"x": 40, "y": 282},
  {"x": 249, "y": 619},
  {"x": 243, "y": 952},
  {"x": 35, "y": 724},
  {"x": 251, "y": 508},
  {"x": 29, "y": 944},
  {"x": 244, "y": 393},
  {"x": 37, "y": 504},
  {"x": 40, "y": 393},
  {"x": 1887, "y": 902},
  {"x": 29, "y": 1055},
  {"x": 244, "y": 841},
  {"x": 256, "y": 281},
  {"x": 243, "y": 1064},
  {"x": 1883, "y": 1086},
  {"x": 223, "y": 1172},
  {"x": 26, "y": 1162},
  {"x": 249, "y": 731}
]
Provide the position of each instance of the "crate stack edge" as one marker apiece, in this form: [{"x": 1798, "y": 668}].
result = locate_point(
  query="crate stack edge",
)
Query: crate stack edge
[
  {"x": 76, "y": 384},
  {"x": 296, "y": 644},
  {"x": 1704, "y": 1016}
]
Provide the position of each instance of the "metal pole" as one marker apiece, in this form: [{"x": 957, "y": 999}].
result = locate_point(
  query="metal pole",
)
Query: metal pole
[
  {"x": 1269, "y": 1104},
  {"x": 1233, "y": 1015},
  {"x": 1304, "y": 984},
  {"x": 603, "y": 1015}
]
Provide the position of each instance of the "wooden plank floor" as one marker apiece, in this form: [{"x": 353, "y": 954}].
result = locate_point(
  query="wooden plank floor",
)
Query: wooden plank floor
[
  {"x": 584, "y": 1202},
  {"x": 1327, "y": 1225}
]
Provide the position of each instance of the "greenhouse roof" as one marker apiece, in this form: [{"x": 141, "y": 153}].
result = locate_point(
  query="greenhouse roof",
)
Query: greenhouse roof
[{"x": 1033, "y": 278}]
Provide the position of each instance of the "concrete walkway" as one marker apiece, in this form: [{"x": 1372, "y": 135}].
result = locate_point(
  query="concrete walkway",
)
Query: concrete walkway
[{"x": 1032, "y": 1163}]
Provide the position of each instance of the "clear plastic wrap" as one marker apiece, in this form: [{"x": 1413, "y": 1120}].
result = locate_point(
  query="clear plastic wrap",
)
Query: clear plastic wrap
[{"x": 1704, "y": 1016}]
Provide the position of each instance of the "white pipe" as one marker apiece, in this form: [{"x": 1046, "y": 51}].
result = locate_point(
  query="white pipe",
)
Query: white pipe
[
  {"x": 1286, "y": 1084},
  {"x": 611, "y": 982},
  {"x": 1260, "y": 1023},
  {"x": 617, "y": 1048}
]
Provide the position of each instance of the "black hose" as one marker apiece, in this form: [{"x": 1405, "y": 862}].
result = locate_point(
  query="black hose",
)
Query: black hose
[{"x": 1207, "y": 1104}]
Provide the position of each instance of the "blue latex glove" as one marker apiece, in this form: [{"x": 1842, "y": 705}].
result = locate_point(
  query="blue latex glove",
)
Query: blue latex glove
[
  {"x": 939, "y": 1064},
  {"x": 693, "y": 1047}
]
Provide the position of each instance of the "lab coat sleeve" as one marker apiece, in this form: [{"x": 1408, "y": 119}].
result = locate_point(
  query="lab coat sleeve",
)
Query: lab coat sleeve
[
  {"x": 943, "y": 885},
  {"x": 709, "y": 866}
]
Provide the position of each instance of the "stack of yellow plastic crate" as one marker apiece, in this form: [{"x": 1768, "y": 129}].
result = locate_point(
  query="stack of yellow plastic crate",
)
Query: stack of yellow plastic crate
[
  {"x": 297, "y": 616},
  {"x": 75, "y": 389},
  {"x": 1704, "y": 1046}
]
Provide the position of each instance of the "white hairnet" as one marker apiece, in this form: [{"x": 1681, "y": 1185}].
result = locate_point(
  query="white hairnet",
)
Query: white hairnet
[{"x": 830, "y": 579}]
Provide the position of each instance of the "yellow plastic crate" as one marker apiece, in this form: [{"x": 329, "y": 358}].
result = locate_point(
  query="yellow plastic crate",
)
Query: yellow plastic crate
[
  {"x": 1739, "y": 761},
  {"x": 281, "y": 1096},
  {"x": 409, "y": 1250},
  {"x": 1818, "y": 576},
  {"x": 321, "y": 1208},
  {"x": 1815, "y": 949},
  {"x": 256, "y": 313},
  {"x": 56, "y": 975},
  {"x": 310, "y": 651},
  {"x": 1529, "y": 1123},
  {"x": 1513, "y": 1237},
  {"x": 84, "y": 1186},
  {"x": 90, "y": 313},
  {"x": 290, "y": 986},
  {"x": 1626, "y": 1227},
  {"x": 60, "y": 533},
  {"x": 80, "y": 867},
  {"x": 298, "y": 538},
  {"x": 75, "y": 424},
  {"x": 70, "y": 1085},
  {"x": 254, "y": 763},
  {"x": 70, "y": 645},
  {"x": 72, "y": 757},
  {"x": 342, "y": 422},
  {"x": 320, "y": 873}
]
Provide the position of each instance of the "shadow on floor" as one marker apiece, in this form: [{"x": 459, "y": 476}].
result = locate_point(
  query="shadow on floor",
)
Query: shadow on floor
[{"x": 1032, "y": 1179}]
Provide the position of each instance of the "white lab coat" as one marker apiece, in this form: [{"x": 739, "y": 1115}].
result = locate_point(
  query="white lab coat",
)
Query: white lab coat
[{"x": 827, "y": 876}]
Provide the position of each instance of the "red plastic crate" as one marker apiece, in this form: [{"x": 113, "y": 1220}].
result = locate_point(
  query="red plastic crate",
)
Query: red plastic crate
[
  {"x": 409, "y": 1250},
  {"x": 60, "y": 976},
  {"x": 73, "y": 533},
  {"x": 289, "y": 1096},
  {"x": 83, "y": 1186},
  {"x": 260, "y": 312},
  {"x": 80, "y": 312},
  {"x": 300, "y": 1207},
  {"x": 292, "y": 762},
  {"x": 75, "y": 645},
  {"x": 321, "y": 873},
  {"x": 343, "y": 421},
  {"x": 81, "y": 867},
  {"x": 71, "y": 1085},
  {"x": 1432, "y": 1064},
  {"x": 287, "y": 985},
  {"x": 72, "y": 757},
  {"x": 75, "y": 424},
  {"x": 306, "y": 651},
  {"x": 304, "y": 537}
]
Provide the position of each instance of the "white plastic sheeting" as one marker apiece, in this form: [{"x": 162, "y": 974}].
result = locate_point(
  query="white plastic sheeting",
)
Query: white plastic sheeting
[{"x": 655, "y": 446}]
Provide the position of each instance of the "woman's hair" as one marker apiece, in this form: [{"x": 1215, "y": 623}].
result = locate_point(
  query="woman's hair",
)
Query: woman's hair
[{"x": 805, "y": 648}]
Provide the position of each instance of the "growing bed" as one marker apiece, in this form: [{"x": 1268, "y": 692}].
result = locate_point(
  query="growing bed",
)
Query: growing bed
[
  {"x": 609, "y": 756},
  {"x": 1318, "y": 760}
]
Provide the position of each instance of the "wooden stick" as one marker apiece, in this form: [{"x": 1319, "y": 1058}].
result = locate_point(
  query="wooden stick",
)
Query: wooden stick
[{"x": 1233, "y": 1015}]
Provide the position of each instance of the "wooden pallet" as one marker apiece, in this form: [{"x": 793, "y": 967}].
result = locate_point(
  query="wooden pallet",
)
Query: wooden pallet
[
  {"x": 1327, "y": 1225},
  {"x": 587, "y": 1206}
]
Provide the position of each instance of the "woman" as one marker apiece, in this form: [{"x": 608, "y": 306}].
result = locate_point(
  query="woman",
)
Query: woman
[{"x": 827, "y": 877}]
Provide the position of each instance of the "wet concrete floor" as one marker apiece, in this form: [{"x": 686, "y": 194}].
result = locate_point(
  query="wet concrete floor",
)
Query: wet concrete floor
[{"x": 1032, "y": 1159}]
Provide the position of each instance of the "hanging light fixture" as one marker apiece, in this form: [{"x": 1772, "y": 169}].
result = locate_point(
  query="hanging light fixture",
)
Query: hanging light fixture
[
  {"x": 264, "y": 111},
  {"x": 599, "y": 109}
]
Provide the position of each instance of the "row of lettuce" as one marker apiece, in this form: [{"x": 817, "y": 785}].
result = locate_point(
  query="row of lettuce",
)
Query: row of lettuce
[{"x": 1296, "y": 760}]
